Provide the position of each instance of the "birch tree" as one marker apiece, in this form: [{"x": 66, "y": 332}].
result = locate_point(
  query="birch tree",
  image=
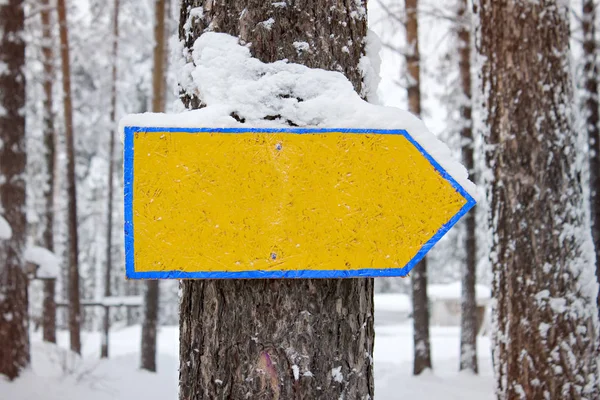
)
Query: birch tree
[
  {"x": 14, "y": 335},
  {"x": 545, "y": 318}
]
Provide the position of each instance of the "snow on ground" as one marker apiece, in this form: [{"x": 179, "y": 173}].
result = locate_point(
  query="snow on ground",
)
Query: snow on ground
[
  {"x": 56, "y": 376},
  {"x": 393, "y": 367}
]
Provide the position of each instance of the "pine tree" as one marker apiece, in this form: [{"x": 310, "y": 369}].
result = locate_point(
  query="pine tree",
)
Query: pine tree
[
  {"x": 74, "y": 302},
  {"x": 422, "y": 347},
  {"x": 14, "y": 335},
  {"x": 592, "y": 117},
  {"x": 110, "y": 195},
  {"x": 49, "y": 308},
  {"x": 468, "y": 320},
  {"x": 242, "y": 338},
  {"x": 149, "y": 327},
  {"x": 546, "y": 319}
]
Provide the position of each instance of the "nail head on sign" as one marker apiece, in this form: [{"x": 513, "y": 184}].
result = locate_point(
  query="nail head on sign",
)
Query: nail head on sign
[
  {"x": 273, "y": 256},
  {"x": 278, "y": 146}
]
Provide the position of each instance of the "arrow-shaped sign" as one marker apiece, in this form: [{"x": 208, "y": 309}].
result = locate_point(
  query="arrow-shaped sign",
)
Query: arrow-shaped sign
[{"x": 282, "y": 203}]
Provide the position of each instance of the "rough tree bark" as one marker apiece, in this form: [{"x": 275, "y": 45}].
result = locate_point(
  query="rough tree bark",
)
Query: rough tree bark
[
  {"x": 545, "y": 318},
  {"x": 420, "y": 300},
  {"x": 149, "y": 326},
  {"x": 468, "y": 320},
  {"x": 74, "y": 302},
  {"x": 110, "y": 183},
  {"x": 14, "y": 336},
  {"x": 592, "y": 117},
  {"x": 279, "y": 339},
  {"x": 49, "y": 306}
]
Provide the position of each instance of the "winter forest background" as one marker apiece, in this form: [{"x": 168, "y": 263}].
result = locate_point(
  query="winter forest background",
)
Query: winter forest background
[{"x": 113, "y": 72}]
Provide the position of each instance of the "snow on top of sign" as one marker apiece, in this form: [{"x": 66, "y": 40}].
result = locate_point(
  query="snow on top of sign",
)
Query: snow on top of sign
[
  {"x": 47, "y": 261},
  {"x": 233, "y": 83},
  {"x": 5, "y": 229}
]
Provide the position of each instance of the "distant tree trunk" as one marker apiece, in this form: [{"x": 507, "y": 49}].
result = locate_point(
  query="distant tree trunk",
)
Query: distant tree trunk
[
  {"x": 546, "y": 319},
  {"x": 74, "y": 305},
  {"x": 110, "y": 195},
  {"x": 422, "y": 347},
  {"x": 149, "y": 327},
  {"x": 468, "y": 320},
  {"x": 158, "y": 71},
  {"x": 265, "y": 329},
  {"x": 592, "y": 118},
  {"x": 49, "y": 307},
  {"x": 14, "y": 335}
]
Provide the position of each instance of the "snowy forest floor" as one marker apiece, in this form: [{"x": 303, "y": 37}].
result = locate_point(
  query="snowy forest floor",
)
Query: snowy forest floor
[{"x": 56, "y": 376}]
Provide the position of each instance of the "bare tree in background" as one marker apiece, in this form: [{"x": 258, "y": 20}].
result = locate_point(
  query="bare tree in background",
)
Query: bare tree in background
[
  {"x": 420, "y": 300},
  {"x": 149, "y": 327},
  {"x": 14, "y": 335},
  {"x": 468, "y": 316},
  {"x": 74, "y": 303},
  {"x": 546, "y": 318},
  {"x": 49, "y": 132},
  {"x": 331, "y": 320},
  {"x": 110, "y": 194}
]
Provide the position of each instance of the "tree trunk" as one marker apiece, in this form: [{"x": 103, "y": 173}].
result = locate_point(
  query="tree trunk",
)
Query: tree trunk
[
  {"x": 592, "y": 117},
  {"x": 49, "y": 310},
  {"x": 468, "y": 320},
  {"x": 49, "y": 306},
  {"x": 74, "y": 306},
  {"x": 14, "y": 335},
  {"x": 422, "y": 348},
  {"x": 420, "y": 300},
  {"x": 279, "y": 339},
  {"x": 110, "y": 195},
  {"x": 546, "y": 319},
  {"x": 149, "y": 327}
]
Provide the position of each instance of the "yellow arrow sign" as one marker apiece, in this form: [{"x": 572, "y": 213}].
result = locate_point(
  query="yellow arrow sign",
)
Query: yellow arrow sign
[{"x": 289, "y": 203}]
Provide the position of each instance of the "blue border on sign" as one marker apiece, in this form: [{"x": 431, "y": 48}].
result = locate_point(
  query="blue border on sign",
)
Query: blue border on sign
[{"x": 262, "y": 274}]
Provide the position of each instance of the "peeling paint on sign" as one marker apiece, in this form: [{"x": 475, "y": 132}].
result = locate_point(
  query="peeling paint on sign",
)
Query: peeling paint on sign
[{"x": 289, "y": 203}]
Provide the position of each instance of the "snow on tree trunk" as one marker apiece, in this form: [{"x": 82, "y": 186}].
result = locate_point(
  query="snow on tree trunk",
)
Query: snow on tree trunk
[
  {"x": 422, "y": 347},
  {"x": 49, "y": 306},
  {"x": 74, "y": 303},
  {"x": 150, "y": 323},
  {"x": 279, "y": 339},
  {"x": 592, "y": 118},
  {"x": 110, "y": 179},
  {"x": 468, "y": 320},
  {"x": 542, "y": 256},
  {"x": 14, "y": 336}
]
